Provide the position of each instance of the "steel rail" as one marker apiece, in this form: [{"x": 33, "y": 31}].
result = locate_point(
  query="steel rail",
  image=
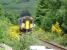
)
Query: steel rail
[{"x": 53, "y": 45}]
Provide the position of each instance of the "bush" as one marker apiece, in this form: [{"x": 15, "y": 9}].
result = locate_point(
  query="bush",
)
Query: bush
[
  {"x": 4, "y": 24},
  {"x": 4, "y": 37},
  {"x": 29, "y": 39},
  {"x": 46, "y": 24}
]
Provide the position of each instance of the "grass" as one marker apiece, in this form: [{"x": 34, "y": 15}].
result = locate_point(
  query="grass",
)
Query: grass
[
  {"x": 30, "y": 38},
  {"x": 10, "y": 39},
  {"x": 49, "y": 36},
  {"x": 1, "y": 48}
]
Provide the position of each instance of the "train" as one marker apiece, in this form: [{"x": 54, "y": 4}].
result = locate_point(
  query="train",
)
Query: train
[{"x": 26, "y": 22}]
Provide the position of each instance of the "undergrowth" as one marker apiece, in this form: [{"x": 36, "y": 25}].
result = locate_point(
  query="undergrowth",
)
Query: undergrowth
[{"x": 49, "y": 36}]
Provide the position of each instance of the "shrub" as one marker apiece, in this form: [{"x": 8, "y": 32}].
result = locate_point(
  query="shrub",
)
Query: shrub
[
  {"x": 29, "y": 39},
  {"x": 47, "y": 22}
]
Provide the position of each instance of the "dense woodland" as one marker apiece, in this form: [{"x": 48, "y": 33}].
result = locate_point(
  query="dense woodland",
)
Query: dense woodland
[
  {"x": 50, "y": 17},
  {"x": 51, "y": 11}
]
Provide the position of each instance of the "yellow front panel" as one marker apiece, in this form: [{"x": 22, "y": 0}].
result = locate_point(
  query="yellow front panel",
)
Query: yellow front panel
[{"x": 27, "y": 24}]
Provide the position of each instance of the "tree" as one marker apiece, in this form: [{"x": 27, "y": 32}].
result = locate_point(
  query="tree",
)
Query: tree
[
  {"x": 1, "y": 11},
  {"x": 52, "y": 10}
]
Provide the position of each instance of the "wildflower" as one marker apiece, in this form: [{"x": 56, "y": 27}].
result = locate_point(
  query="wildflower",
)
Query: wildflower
[
  {"x": 14, "y": 32},
  {"x": 56, "y": 28}
]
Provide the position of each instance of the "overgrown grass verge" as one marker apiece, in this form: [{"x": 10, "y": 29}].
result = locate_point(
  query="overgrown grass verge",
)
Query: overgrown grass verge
[
  {"x": 28, "y": 40},
  {"x": 4, "y": 37},
  {"x": 49, "y": 36},
  {"x": 24, "y": 41}
]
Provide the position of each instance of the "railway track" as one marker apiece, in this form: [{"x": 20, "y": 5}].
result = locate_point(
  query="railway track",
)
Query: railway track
[{"x": 54, "y": 46}]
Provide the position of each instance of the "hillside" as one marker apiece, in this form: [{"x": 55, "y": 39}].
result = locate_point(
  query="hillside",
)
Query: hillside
[{"x": 50, "y": 18}]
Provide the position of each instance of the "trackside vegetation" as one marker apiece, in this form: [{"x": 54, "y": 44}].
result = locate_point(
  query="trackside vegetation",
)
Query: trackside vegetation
[{"x": 50, "y": 17}]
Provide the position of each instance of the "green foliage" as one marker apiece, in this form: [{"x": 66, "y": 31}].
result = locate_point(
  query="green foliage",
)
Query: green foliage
[
  {"x": 29, "y": 39},
  {"x": 46, "y": 14},
  {"x": 1, "y": 11},
  {"x": 10, "y": 11},
  {"x": 4, "y": 24},
  {"x": 46, "y": 25},
  {"x": 13, "y": 8},
  {"x": 12, "y": 43},
  {"x": 54, "y": 10},
  {"x": 2, "y": 49},
  {"x": 51, "y": 37},
  {"x": 64, "y": 25}
]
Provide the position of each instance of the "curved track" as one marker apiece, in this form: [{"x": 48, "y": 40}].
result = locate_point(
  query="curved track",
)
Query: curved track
[{"x": 54, "y": 46}]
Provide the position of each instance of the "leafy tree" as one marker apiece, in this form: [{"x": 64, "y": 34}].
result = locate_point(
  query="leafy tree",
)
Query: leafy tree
[
  {"x": 1, "y": 11},
  {"x": 52, "y": 10}
]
